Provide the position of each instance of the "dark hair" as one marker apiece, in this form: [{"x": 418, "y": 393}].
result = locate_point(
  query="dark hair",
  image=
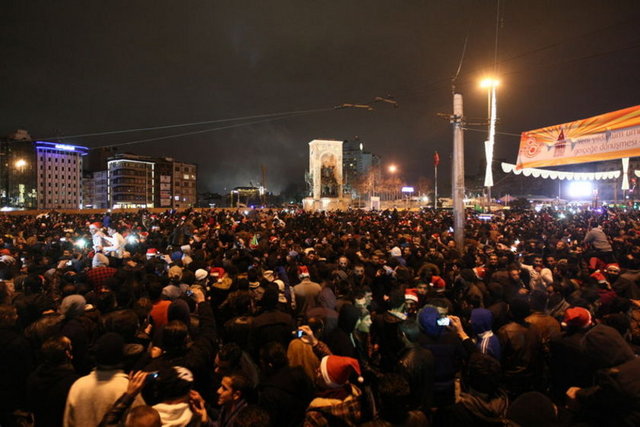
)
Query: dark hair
[
  {"x": 8, "y": 316},
  {"x": 230, "y": 353},
  {"x": 241, "y": 383},
  {"x": 174, "y": 336},
  {"x": 394, "y": 394},
  {"x": 147, "y": 415},
  {"x": 54, "y": 350},
  {"x": 124, "y": 322},
  {"x": 483, "y": 373},
  {"x": 274, "y": 355}
]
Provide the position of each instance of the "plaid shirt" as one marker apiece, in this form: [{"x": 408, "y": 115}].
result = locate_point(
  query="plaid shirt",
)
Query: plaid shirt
[
  {"x": 98, "y": 276},
  {"x": 348, "y": 411}
]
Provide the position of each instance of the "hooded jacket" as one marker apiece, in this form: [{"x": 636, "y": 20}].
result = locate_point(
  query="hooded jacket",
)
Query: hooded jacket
[
  {"x": 47, "y": 390},
  {"x": 615, "y": 399},
  {"x": 487, "y": 341},
  {"x": 475, "y": 409}
]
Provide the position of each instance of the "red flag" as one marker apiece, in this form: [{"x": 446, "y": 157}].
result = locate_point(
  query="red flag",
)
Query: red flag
[{"x": 436, "y": 159}]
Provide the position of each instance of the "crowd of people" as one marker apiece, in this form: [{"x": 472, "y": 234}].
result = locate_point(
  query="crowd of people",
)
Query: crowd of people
[{"x": 288, "y": 318}]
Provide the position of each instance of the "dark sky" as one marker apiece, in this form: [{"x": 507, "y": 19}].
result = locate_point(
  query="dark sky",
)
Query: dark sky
[{"x": 75, "y": 67}]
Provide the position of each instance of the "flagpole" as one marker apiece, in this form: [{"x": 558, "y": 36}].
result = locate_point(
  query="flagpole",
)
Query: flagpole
[{"x": 435, "y": 198}]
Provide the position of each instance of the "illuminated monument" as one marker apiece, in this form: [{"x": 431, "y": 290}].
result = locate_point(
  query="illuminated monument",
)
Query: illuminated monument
[{"x": 324, "y": 177}]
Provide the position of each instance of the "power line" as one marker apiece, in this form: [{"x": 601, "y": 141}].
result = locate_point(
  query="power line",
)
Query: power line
[
  {"x": 258, "y": 116},
  {"x": 237, "y": 125}
]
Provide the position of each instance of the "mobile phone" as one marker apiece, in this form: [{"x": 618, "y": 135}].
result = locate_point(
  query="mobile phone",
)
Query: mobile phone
[
  {"x": 69, "y": 262},
  {"x": 443, "y": 321},
  {"x": 299, "y": 333},
  {"x": 152, "y": 376},
  {"x": 189, "y": 293}
]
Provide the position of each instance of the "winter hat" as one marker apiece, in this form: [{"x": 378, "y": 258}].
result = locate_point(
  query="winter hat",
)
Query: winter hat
[
  {"x": 282, "y": 298},
  {"x": 201, "y": 274},
  {"x": 428, "y": 318},
  {"x": 99, "y": 260},
  {"x": 605, "y": 347},
  {"x": 151, "y": 252},
  {"x": 175, "y": 272},
  {"x": 613, "y": 266},
  {"x": 95, "y": 225},
  {"x": 532, "y": 409},
  {"x": 395, "y": 252},
  {"x": 411, "y": 295},
  {"x": 303, "y": 271},
  {"x": 577, "y": 316},
  {"x": 336, "y": 370},
  {"x": 480, "y": 272},
  {"x": 73, "y": 306},
  {"x": 109, "y": 349},
  {"x": 217, "y": 272},
  {"x": 185, "y": 249}
]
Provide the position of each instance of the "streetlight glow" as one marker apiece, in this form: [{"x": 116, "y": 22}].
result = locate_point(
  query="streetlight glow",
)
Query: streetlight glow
[
  {"x": 489, "y": 82},
  {"x": 393, "y": 168},
  {"x": 21, "y": 163}
]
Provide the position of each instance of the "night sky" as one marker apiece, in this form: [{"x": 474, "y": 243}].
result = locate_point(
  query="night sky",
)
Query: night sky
[{"x": 76, "y": 67}]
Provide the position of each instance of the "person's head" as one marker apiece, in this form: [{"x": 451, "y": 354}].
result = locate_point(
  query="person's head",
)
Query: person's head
[
  {"x": 233, "y": 388},
  {"x": 143, "y": 416},
  {"x": 8, "y": 316},
  {"x": 493, "y": 260},
  {"x": 343, "y": 262},
  {"x": 514, "y": 273},
  {"x": 612, "y": 272},
  {"x": 335, "y": 371},
  {"x": 228, "y": 359},
  {"x": 483, "y": 373},
  {"x": 109, "y": 351},
  {"x": 273, "y": 357},
  {"x": 56, "y": 351},
  {"x": 394, "y": 394},
  {"x": 358, "y": 270},
  {"x": 532, "y": 409},
  {"x": 173, "y": 383},
  {"x": 175, "y": 336}
]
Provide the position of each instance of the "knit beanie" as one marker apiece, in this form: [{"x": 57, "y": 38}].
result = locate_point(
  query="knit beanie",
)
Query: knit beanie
[
  {"x": 73, "y": 306},
  {"x": 99, "y": 260}
]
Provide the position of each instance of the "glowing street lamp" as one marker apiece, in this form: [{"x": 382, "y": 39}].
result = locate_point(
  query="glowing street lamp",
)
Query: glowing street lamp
[
  {"x": 21, "y": 163},
  {"x": 393, "y": 168},
  {"x": 490, "y": 84}
]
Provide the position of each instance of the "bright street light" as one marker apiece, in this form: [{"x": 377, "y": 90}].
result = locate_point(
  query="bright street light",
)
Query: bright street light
[
  {"x": 393, "y": 168},
  {"x": 489, "y": 82},
  {"x": 21, "y": 163}
]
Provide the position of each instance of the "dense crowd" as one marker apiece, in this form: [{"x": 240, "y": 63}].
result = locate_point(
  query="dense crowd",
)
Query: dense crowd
[{"x": 355, "y": 318}]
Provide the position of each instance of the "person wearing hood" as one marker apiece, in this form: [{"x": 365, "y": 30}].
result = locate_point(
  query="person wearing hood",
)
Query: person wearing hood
[
  {"x": 416, "y": 365},
  {"x": 614, "y": 399},
  {"x": 486, "y": 341},
  {"x": 173, "y": 389},
  {"x": 448, "y": 353},
  {"x": 482, "y": 403}
]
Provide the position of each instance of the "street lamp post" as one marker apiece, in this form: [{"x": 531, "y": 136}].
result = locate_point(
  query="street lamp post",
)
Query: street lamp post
[
  {"x": 491, "y": 84},
  {"x": 392, "y": 170}
]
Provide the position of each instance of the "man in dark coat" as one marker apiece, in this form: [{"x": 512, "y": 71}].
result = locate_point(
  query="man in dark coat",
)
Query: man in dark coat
[
  {"x": 614, "y": 400},
  {"x": 48, "y": 386}
]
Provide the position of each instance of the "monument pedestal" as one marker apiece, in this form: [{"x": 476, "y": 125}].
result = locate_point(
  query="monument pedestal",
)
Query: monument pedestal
[{"x": 325, "y": 204}]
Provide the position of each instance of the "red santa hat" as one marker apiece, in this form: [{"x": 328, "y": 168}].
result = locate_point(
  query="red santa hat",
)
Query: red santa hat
[
  {"x": 411, "y": 295},
  {"x": 613, "y": 266},
  {"x": 217, "y": 272},
  {"x": 303, "y": 271},
  {"x": 336, "y": 370},
  {"x": 95, "y": 225},
  {"x": 577, "y": 316}
]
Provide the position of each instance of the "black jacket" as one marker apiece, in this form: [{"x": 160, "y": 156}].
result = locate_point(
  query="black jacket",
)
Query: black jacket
[
  {"x": 47, "y": 389},
  {"x": 286, "y": 395},
  {"x": 15, "y": 366},
  {"x": 416, "y": 364}
]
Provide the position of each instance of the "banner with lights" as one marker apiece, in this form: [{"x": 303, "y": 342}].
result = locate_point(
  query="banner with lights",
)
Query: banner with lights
[
  {"x": 609, "y": 136},
  {"x": 569, "y": 176}
]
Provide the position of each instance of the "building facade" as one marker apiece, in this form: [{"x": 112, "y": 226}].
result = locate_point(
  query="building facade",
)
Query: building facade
[{"x": 134, "y": 181}]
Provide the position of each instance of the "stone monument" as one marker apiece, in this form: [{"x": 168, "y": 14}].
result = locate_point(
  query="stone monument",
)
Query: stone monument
[{"x": 325, "y": 176}]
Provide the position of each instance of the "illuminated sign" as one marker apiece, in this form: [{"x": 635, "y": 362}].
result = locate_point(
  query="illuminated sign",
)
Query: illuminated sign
[
  {"x": 407, "y": 189},
  {"x": 65, "y": 147}
]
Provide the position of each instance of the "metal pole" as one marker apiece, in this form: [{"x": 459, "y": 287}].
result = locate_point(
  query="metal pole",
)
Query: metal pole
[
  {"x": 458, "y": 172},
  {"x": 435, "y": 196}
]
